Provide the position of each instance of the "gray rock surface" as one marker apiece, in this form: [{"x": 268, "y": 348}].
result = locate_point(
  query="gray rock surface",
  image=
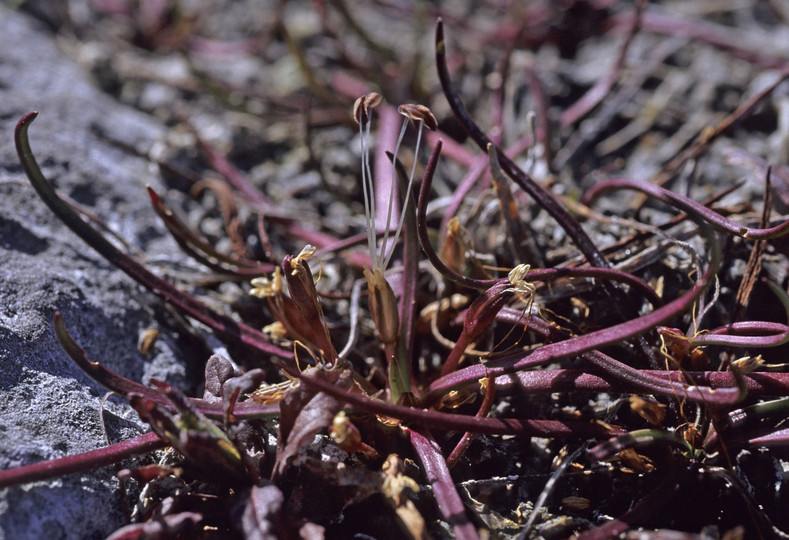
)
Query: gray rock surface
[{"x": 48, "y": 407}]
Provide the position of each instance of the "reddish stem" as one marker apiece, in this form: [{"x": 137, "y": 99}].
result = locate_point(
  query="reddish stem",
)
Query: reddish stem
[
  {"x": 437, "y": 473},
  {"x": 81, "y": 462},
  {"x": 467, "y": 438},
  {"x": 601, "y": 89}
]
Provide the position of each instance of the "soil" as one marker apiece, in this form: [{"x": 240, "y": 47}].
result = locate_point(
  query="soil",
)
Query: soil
[{"x": 131, "y": 93}]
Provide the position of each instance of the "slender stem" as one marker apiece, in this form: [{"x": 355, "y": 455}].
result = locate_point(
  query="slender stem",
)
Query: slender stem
[
  {"x": 383, "y": 258},
  {"x": 409, "y": 281},
  {"x": 386, "y": 139},
  {"x": 93, "y": 459},
  {"x": 461, "y": 422},
  {"x": 369, "y": 202},
  {"x": 407, "y": 196},
  {"x": 544, "y": 198},
  {"x": 437, "y": 473}
]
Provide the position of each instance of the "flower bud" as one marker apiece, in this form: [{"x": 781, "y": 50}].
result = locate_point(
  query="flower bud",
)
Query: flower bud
[
  {"x": 482, "y": 311},
  {"x": 304, "y": 296},
  {"x": 383, "y": 306}
]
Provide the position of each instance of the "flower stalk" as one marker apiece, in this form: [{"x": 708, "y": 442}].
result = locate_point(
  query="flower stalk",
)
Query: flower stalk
[{"x": 384, "y": 309}]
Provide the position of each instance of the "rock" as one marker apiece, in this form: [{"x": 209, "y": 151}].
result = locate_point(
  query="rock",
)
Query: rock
[{"x": 48, "y": 407}]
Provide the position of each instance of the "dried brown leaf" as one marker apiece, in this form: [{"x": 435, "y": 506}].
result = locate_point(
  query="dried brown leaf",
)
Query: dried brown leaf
[{"x": 304, "y": 412}]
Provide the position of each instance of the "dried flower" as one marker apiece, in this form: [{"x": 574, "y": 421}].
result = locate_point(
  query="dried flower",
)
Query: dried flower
[
  {"x": 455, "y": 247},
  {"x": 648, "y": 409},
  {"x": 263, "y": 287},
  {"x": 747, "y": 364}
]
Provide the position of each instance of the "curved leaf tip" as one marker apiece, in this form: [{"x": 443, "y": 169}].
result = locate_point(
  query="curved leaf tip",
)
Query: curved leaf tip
[{"x": 26, "y": 120}]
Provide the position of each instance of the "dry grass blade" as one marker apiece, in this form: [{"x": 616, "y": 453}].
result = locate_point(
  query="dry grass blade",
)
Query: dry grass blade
[{"x": 754, "y": 266}]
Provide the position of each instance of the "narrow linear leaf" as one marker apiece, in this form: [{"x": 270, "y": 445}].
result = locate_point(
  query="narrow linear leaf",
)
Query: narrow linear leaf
[
  {"x": 460, "y": 422},
  {"x": 544, "y": 198},
  {"x": 688, "y": 205},
  {"x": 93, "y": 459},
  {"x": 437, "y": 472},
  {"x": 200, "y": 249},
  {"x": 606, "y": 336},
  {"x": 189, "y": 305},
  {"x": 124, "y": 386}
]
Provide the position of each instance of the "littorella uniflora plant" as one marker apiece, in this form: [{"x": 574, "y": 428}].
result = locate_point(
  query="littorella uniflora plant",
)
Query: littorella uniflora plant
[{"x": 382, "y": 302}]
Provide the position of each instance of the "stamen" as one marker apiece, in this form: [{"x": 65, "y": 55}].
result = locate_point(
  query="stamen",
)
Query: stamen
[
  {"x": 263, "y": 287},
  {"x": 306, "y": 252},
  {"x": 384, "y": 259},
  {"x": 422, "y": 115},
  {"x": 370, "y": 189},
  {"x": 362, "y": 113},
  {"x": 517, "y": 278}
]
